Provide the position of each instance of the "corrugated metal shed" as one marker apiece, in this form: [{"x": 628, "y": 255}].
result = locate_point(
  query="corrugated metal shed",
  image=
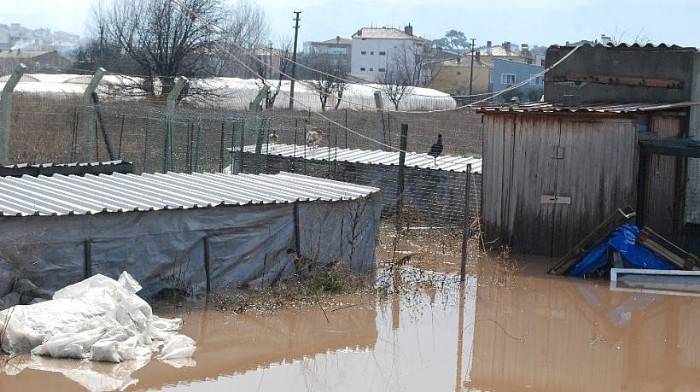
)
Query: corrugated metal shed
[
  {"x": 93, "y": 194},
  {"x": 371, "y": 157},
  {"x": 77, "y": 168},
  {"x": 545, "y": 107}
]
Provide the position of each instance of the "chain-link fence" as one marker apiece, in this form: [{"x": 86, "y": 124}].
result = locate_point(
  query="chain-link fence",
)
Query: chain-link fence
[{"x": 353, "y": 146}]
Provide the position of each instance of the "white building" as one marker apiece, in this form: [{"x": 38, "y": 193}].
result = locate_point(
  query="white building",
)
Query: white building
[{"x": 376, "y": 50}]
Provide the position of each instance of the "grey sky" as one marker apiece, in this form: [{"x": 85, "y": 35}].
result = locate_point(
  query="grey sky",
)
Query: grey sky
[{"x": 531, "y": 21}]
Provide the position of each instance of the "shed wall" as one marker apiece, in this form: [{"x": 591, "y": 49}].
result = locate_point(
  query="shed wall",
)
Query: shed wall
[
  {"x": 589, "y": 163},
  {"x": 605, "y": 62},
  {"x": 663, "y": 203},
  {"x": 165, "y": 249}
]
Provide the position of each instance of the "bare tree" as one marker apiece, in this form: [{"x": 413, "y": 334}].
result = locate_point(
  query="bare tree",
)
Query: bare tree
[
  {"x": 278, "y": 63},
  {"x": 330, "y": 81},
  {"x": 403, "y": 72},
  {"x": 169, "y": 38},
  {"x": 244, "y": 33}
]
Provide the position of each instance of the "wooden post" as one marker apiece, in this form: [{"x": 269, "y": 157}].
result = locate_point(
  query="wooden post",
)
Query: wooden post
[
  {"x": 205, "y": 245},
  {"x": 465, "y": 230},
  {"x": 400, "y": 179},
  {"x": 6, "y": 111},
  {"x": 381, "y": 132},
  {"x": 170, "y": 103},
  {"x": 195, "y": 152},
  {"x": 89, "y": 109},
  {"x": 642, "y": 187},
  {"x": 87, "y": 261},
  {"x": 105, "y": 135},
  {"x": 297, "y": 232}
]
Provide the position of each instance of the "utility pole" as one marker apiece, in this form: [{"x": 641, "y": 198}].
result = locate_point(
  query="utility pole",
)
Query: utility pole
[
  {"x": 471, "y": 72},
  {"x": 294, "y": 60}
]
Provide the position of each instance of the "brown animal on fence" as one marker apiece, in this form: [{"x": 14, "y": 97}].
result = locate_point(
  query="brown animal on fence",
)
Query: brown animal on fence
[{"x": 314, "y": 135}]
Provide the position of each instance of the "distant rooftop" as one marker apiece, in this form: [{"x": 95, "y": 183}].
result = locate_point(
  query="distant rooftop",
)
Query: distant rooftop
[
  {"x": 385, "y": 33},
  {"x": 338, "y": 40}
]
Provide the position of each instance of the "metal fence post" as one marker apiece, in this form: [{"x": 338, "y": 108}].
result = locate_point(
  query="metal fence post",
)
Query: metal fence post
[
  {"x": 400, "y": 179},
  {"x": 6, "y": 124},
  {"x": 170, "y": 103},
  {"x": 465, "y": 230},
  {"x": 88, "y": 119},
  {"x": 381, "y": 132}
]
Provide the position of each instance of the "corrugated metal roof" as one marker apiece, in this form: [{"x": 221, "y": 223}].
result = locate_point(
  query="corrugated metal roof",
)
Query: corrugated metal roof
[
  {"x": 371, "y": 157},
  {"x": 624, "y": 45},
  {"x": 78, "y": 168},
  {"x": 544, "y": 107},
  {"x": 93, "y": 194}
]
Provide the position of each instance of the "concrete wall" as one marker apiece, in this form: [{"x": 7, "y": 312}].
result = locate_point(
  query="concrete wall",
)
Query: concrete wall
[
  {"x": 454, "y": 79},
  {"x": 671, "y": 64},
  {"x": 372, "y": 61}
]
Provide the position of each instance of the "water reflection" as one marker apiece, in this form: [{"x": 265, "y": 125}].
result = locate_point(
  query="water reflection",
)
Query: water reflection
[{"x": 534, "y": 332}]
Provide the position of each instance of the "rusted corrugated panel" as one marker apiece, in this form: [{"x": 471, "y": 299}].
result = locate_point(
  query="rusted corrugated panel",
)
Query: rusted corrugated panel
[{"x": 93, "y": 194}]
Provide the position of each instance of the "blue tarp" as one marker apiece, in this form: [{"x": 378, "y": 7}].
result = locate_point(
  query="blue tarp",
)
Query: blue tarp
[{"x": 624, "y": 240}]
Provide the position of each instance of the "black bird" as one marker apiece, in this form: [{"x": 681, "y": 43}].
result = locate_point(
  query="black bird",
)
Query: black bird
[{"x": 436, "y": 149}]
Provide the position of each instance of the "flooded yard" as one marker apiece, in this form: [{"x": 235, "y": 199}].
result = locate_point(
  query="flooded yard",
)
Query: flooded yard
[{"x": 521, "y": 331}]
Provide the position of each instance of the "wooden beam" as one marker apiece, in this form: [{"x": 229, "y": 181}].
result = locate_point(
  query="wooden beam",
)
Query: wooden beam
[
  {"x": 631, "y": 81},
  {"x": 599, "y": 234}
]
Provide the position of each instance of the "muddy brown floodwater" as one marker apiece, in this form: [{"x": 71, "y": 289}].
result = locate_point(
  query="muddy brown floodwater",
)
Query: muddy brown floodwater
[{"x": 527, "y": 331}]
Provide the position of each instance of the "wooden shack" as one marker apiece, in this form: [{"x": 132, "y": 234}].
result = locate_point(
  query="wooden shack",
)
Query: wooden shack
[{"x": 551, "y": 174}]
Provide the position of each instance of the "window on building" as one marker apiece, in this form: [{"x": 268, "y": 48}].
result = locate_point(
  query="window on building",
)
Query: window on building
[
  {"x": 382, "y": 69},
  {"x": 371, "y": 53},
  {"x": 363, "y": 52},
  {"x": 362, "y": 69},
  {"x": 371, "y": 70},
  {"x": 382, "y": 53},
  {"x": 507, "y": 78}
]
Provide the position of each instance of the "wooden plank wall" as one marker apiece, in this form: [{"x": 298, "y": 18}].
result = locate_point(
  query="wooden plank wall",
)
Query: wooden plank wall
[
  {"x": 526, "y": 156},
  {"x": 663, "y": 206}
]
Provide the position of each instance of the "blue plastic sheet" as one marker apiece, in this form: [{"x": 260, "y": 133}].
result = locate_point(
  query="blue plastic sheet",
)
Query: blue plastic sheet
[{"x": 624, "y": 240}]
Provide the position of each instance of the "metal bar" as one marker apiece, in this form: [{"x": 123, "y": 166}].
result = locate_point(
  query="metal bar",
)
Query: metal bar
[
  {"x": 221, "y": 148},
  {"x": 89, "y": 109},
  {"x": 381, "y": 132},
  {"x": 105, "y": 136},
  {"x": 242, "y": 146},
  {"x": 87, "y": 260},
  {"x": 205, "y": 245},
  {"x": 465, "y": 230},
  {"x": 121, "y": 138},
  {"x": 297, "y": 232},
  {"x": 170, "y": 103},
  {"x": 400, "y": 180},
  {"x": 6, "y": 111}
]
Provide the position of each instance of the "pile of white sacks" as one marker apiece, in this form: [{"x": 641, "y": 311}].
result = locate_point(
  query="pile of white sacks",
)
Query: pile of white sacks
[{"x": 98, "y": 319}]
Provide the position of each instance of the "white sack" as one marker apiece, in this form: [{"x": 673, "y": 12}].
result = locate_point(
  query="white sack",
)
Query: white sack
[{"x": 98, "y": 319}]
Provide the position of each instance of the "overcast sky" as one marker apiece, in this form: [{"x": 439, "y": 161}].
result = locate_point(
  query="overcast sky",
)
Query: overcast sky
[{"x": 530, "y": 21}]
